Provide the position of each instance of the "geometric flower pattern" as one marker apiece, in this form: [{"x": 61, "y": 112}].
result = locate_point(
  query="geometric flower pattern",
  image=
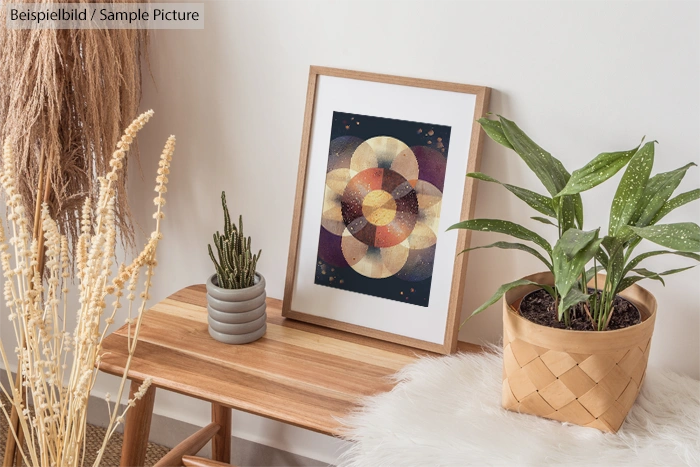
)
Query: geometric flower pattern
[
  {"x": 382, "y": 206},
  {"x": 594, "y": 390},
  {"x": 382, "y": 198}
]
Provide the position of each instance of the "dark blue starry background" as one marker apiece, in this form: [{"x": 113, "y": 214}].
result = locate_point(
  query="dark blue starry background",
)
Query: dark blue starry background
[{"x": 412, "y": 134}]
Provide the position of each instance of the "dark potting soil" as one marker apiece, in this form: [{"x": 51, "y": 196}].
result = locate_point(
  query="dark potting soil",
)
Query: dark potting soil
[{"x": 538, "y": 307}]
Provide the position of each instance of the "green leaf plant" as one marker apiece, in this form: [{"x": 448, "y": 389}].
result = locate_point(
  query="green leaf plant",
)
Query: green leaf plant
[
  {"x": 641, "y": 200},
  {"x": 235, "y": 268}
]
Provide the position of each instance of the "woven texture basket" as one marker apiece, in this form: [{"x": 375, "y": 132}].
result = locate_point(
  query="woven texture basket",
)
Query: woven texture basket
[{"x": 582, "y": 377}]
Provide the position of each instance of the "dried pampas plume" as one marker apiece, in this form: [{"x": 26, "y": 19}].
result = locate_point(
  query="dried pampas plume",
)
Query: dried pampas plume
[{"x": 65, "y": 96}]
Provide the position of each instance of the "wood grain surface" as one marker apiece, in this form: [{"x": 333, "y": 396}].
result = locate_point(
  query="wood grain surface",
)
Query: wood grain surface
[
  {"x": 298, "y": 373},
  {"x": 193, "y": 461},
  {"x": 190, "y": 446},
  {"x": 221, "y": 442},
  {"x": 138, "y": 419}
]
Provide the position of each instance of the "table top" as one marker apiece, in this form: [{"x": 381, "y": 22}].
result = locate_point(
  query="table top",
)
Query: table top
[{"x": 298, "y": 373}]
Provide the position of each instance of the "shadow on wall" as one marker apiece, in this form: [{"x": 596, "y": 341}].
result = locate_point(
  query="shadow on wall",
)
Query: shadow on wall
[{"x": 487, "y": 270}]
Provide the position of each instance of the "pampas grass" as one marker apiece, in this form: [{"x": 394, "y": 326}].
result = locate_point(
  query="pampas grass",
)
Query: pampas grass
[
  {"x": 65, "y": 96},
  {"x": 59, "y": 366}
]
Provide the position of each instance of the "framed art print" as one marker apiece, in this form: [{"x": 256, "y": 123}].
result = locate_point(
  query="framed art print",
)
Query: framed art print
[{"x": 381, "y": 177}]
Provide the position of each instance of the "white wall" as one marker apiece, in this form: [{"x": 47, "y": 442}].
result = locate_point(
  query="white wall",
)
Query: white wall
[{"x": 579, "y": 77}]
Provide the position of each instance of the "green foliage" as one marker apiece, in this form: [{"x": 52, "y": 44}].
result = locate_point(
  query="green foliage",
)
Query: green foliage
[
  {"x": 544, "y": 220},
  {"x": 495, "y": 131},
  {"x": 571, "y": 254},
  {"x": 641, "y": 200},
  {"x": 504, "y": 227},
  {"x": 505, "y": 288},
  {"x": 540, "y": 203},
  {"x": 549, "y": 170},
  {"x": 597, "y": 171},
  {"x": 574, "y": 240},
  {"x": 631, "y": 187},
  {"x": 678, "y": 201},
  {"x": 235, "y": 268},
  {"x": 514, "y": 246},
  {"x": 657, "y": 191}
]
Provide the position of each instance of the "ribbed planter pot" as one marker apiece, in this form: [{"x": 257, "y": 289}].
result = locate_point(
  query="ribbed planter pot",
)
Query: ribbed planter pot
[
  {"x": 236, "y": 316},
  {"x": 586, "y": 378}
]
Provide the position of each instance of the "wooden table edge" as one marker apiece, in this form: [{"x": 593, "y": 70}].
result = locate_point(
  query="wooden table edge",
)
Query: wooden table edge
[{"x": 180, "y": 295}]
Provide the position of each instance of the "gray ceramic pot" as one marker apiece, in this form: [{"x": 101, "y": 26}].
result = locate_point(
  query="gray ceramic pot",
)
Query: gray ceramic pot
[
  {"x": 238, "y": 338},
  {"x": 236, "y": 316}
]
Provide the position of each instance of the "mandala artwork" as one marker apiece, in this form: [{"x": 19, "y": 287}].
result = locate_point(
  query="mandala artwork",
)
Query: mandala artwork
[{"x": 381, "y": 209}]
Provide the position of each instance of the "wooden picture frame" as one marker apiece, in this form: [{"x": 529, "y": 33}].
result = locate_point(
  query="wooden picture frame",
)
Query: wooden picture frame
[{"x": 332, "y": 305}]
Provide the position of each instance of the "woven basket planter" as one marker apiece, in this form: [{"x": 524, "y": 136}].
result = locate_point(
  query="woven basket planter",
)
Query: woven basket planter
[{"x": 582, "y": 377}]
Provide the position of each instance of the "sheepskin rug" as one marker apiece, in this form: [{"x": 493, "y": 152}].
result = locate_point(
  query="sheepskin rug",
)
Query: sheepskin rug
[{"x": 446, "y": 412}]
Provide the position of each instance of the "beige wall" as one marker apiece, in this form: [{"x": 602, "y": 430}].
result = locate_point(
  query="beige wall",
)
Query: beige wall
[{"x": 579, "y": 77}]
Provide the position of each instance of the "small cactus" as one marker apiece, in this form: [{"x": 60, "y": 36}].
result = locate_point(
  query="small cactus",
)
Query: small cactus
[{"x": 236, "y": 266}]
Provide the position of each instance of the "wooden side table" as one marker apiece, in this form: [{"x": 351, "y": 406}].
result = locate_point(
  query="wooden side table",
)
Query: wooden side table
[{"x": 298, "y": 373}]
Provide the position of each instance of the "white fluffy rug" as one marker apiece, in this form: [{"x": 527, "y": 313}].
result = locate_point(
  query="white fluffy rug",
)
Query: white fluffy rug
[{"x": 446, "y": 412}]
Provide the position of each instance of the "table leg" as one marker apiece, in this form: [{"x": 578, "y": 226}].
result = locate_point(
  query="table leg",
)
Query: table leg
[
  {"x": 221, "y": 442},
  {"x": 9, "y": 459},
  {"x": 12, "y": 457},
  {"x": 19, "y": 461},
  {"x": 137, "y": 427}
]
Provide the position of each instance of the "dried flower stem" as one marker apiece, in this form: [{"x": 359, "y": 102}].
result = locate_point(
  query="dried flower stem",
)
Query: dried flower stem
[{"x": 59, "y": 369}]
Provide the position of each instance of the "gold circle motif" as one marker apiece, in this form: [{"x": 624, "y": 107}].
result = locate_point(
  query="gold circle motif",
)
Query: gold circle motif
[{"x": 379, "y": 207}]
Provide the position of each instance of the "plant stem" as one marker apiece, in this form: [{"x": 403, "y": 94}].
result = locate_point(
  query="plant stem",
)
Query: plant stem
[{"x": 596, "y": 306}]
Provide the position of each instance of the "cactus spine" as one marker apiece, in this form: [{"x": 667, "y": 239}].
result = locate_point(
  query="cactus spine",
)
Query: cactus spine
[{"x": 235, "y": 268}]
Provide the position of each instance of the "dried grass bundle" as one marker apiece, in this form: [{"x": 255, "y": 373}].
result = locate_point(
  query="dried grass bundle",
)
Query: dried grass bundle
[
  {"x": 58, "y": 366},
  {"x": 65, "y": 96}
]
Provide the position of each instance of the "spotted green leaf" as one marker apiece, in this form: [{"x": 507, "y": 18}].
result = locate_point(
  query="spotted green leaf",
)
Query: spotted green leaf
[
  {"x": 615, "y": 266},
  {"x": 567, "y": 271},
  {"x": 633, "y": 241},
  {"x": 504, "y": 227},
  {"x": 597, "y": 171},
  {"x": 657, "y": 191},
  {"x": 650, "y": 275},
  {"x": 578, "y": 210},
  {"x": 574, "y": 297},
  {"x": 683, "y": 236},
  {"x": 543, "y": 220},
  {"x": 602, "y": 258},
  {"x": 629, "y": 280},
  {"x": 590, "y": 272},
  {"x": 631, "y": 187},
  {"x": 505, "y": 288},
  {"x": 495, "y": 132},
  {"x": 676, "y": 202},
  {"x": 514, "y": 246},
  {"x": 536, "y": 201},
  {"x": 574, "y": 240},
  {"x": 569, "y": 215},
  {"x": 638, "y": 259},
  {"x": 548, "y": 169}
]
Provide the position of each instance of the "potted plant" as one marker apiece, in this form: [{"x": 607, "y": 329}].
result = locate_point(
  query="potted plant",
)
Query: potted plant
[
  {"x": 576, "y": 342},
  {"x": 236, "y": 292}
]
